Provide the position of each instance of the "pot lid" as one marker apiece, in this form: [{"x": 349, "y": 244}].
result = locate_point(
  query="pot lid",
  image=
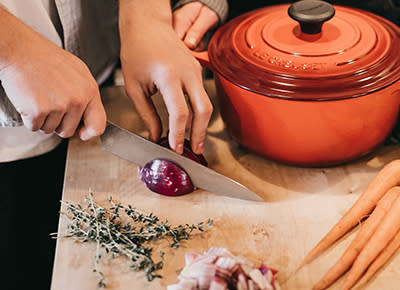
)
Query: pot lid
[{"x": 308, "y": 50}]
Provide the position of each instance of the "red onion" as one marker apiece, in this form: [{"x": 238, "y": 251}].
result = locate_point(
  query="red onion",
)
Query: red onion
[{"x": 168, "y": 178}]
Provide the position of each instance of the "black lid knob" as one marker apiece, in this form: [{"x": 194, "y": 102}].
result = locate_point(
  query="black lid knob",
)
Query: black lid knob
[{"x": 311, "y": 14}]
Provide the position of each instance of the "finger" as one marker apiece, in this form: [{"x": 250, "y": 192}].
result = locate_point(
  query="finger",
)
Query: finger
[
  {"x": 52, "y": 121},
  {"x": 202, "y": 110},
  {"x": 178, "y": 113},
  {"x": 32, "y": 121},
  {"x": 183, "y": 18},
  {"x": 70, "y": 122},
  {"x": 146, "y": 110},
  {"x": 190, "y": 116},
  {"x": 71, "y": 119},
  {"x": 94, "y": 120},
  {"x": 206, "y": 20}
]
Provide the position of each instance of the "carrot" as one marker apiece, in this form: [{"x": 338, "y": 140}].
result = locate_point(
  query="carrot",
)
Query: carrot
[
  {"x": 386, "y": 178},
  {"x": 362, "y": 237},
  {"x": 383, "y": 257},
  {"x": 387, "y": 229}
]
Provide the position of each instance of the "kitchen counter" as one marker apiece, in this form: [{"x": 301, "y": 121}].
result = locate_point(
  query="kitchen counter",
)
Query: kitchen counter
[{"x": 301, "y": 204}]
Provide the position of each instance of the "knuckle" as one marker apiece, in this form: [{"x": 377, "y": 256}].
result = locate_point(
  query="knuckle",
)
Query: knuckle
[
  {"x": 76, "y": 102},
  {"x": 166, "y": 72},
  {"x": 180, "y": 18},
  {"x": 180, "y": 115},
  {"x": 205, "y": 110},
  {"x": 59, "y": 108},
  {"x": 93, "y": 90},
  {"x": 177, "y": 135},
  {"x": 37, "y": 112}
]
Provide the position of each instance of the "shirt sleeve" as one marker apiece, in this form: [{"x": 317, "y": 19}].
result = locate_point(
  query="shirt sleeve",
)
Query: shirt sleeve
[
  {"x": 219, "y": 6},
  {"x": 9, "y": 117}
]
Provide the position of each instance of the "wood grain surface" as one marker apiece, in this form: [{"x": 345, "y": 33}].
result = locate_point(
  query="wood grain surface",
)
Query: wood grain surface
[{"x": 301, "y": 204}]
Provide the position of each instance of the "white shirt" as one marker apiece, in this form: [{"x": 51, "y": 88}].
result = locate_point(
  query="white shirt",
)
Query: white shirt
[{"x": 18, "y": 142}]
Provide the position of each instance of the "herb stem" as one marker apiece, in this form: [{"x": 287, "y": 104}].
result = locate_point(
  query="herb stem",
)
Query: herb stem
[{"x": 104, "y": 226}]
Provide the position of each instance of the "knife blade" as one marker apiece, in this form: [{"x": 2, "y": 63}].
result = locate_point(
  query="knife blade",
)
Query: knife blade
[{"x": 139, "y": 150}]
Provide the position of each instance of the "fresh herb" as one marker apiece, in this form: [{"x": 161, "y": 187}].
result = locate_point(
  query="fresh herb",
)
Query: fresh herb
[{"x": 107, "y": 228}]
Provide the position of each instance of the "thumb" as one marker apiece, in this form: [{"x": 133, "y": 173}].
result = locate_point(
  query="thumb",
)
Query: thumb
[
  {"x": 206, "y": 20},
  {"x": 183, "y": 18},
  {"x": 94, "y": 120}
]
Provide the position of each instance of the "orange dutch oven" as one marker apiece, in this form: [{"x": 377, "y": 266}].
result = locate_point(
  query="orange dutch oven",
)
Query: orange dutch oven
[{"x": 309, "y": 84}]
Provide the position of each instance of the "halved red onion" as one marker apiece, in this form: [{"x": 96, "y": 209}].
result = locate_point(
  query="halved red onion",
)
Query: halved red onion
[
  {"x": 168, "y": 178},
  {"x": 165, "y": 177}
]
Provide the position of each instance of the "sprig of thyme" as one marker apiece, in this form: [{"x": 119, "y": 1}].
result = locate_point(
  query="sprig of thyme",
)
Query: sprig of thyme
[{"x": 109, "y": 229}]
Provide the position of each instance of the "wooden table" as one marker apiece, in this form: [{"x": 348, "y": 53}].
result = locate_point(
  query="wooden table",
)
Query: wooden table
[{"x": 301, "y": 204}]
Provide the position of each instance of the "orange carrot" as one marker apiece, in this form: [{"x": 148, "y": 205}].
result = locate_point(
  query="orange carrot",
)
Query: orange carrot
[
  {"x": 387, "y": 229},
  {"x": 362, "y": 237},
  {"x": 387, "y": 177},
  {"x": 383, "y": 257}
]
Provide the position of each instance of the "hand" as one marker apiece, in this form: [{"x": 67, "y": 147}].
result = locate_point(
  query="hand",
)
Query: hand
[
  {"x": 52, "y": 89},
  {"x": 153, "y": 57},
  {"x": 192, "y": 21}
]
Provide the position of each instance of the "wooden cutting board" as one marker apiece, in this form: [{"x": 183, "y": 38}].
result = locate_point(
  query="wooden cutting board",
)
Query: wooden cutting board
[{"x": 301, "y": 204}]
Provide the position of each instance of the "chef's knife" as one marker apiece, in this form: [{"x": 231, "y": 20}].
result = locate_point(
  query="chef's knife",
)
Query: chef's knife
[{"x": 139, "y": 151}]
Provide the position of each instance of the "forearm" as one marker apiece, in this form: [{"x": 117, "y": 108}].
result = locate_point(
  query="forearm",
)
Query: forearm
[
  {"x": 11, "y": 32},
  {"x": 133, "y": 13}
]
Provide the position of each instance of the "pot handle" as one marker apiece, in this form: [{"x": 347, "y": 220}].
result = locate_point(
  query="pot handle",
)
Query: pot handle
[
  {"x": 311, "y": 14},
  {"x": 203, "y": 58}
]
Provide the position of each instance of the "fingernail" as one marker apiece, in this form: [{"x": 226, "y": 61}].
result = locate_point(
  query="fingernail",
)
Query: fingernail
[
  {"x": 87, "y": 134},
  {"x": 191, "y": 41},
  {"x": 179, "y": 148},
  {"x": 199, "y": 148}
]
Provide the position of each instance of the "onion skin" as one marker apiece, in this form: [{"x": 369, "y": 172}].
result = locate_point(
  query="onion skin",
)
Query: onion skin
[{"x": 166, "y": 177}]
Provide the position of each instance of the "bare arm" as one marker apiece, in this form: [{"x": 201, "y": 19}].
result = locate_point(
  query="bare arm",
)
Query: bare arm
[{"x": 52, "y": 89}]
